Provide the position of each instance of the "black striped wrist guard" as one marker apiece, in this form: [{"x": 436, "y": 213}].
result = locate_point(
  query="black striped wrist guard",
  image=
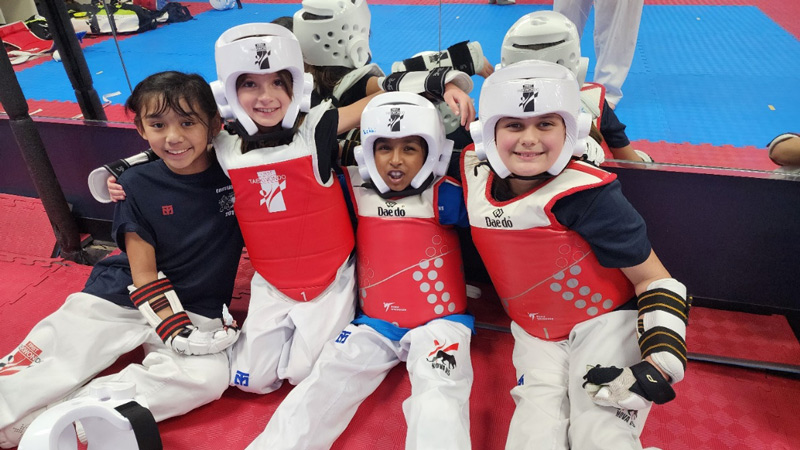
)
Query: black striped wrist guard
[
  {"x": 156, "y": 296},
  {"x": 663, "y": 316}
]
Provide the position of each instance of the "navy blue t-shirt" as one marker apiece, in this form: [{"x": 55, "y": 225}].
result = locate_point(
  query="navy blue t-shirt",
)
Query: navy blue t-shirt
[
  {"x": 190, "y": 222},
  {"x": 612, "y": 129},
  {"x": 609, "y": 223}
]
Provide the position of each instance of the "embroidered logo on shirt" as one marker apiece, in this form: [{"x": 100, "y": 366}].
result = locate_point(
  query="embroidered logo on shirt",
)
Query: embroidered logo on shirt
[
  {"x": 272, "y": 186},
  {"x": 167, "y": 210},
  {"x": 226, "y": 204}
]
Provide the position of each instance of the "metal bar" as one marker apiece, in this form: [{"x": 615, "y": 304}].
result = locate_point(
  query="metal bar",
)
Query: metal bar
[
  {"x": 33, "y": 151},
  {"x": 55, "y": 12}
]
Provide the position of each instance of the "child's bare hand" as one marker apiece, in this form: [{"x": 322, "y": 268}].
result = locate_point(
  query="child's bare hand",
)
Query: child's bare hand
[
  {"x": 115, "y": 190},
  {"x": 461, "y": 104}
]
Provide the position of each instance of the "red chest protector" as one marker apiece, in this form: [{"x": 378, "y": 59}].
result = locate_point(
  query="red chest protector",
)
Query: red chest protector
[
  {"x": 296, "y": 228},
  {"x": 409, "y": 265},
  {"x": 546, "y": 275}
]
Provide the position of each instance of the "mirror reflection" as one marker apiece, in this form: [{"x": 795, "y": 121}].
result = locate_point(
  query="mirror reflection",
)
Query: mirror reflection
[{"x": 699, "y": 91}]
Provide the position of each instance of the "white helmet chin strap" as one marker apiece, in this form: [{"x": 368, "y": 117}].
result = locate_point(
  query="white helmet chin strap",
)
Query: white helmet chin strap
[{"x": 109, "y": 418}]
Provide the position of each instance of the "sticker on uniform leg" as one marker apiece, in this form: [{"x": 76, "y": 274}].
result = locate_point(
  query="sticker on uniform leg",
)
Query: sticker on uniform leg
[
  {"x": 628, "y": 416},
  {"x": 26, "y": 356},
  {"x": 441, "y": 359}
]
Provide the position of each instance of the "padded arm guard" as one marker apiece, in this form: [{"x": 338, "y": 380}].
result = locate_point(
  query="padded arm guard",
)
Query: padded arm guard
[
  {"x": 99, "y": 176},
  {"x": 465, "y": 56},
  {"x": 663, "y": 316},
  {"x": 157, "y": 296},
  {"x": 177, "y": 330},
  {"x": 432, "y": 82}
]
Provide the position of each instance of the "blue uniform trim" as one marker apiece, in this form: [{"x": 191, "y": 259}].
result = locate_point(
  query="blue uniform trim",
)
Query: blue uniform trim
[
  {"x": 452, "y": 210},
  {"x": 395, "y": 333}
]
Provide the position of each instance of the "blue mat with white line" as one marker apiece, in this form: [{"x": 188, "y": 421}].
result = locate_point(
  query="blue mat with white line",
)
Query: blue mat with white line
[{"x": 719, "y": 75}]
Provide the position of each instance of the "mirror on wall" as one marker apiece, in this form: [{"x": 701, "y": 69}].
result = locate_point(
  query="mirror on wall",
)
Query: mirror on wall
[
  {"x": 709, "y": 86},
  {"x": 119, "y": 61},
  {"x": 700, "y": 92}
]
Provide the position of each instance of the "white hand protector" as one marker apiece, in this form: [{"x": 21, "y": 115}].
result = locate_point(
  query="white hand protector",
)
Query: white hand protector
[
  {"x": 99, "y": 176},
  {"x": 632, "y": 387},
  {"x": 177, "y": 330},
  {"x": 594, "y": 152}
]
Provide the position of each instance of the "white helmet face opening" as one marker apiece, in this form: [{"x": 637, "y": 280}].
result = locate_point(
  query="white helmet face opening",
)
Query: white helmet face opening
[
  {"x": 530, "y": 89},
  {"x": 543, "y": 35},
  {"x": 334, "y": 32},
  {"x": 259, "y": 48},
  {"x": 396, "y": 115}
]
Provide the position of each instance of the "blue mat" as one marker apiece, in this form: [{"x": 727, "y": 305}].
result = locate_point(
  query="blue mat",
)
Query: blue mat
[{"x": 701, "y": 74}]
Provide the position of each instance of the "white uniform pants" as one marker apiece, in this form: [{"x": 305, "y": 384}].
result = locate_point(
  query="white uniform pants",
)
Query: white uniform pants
[
  {"x": 616, "y": 29},
  {"x": 282, "y": 338},
  {"x": 318, "y": 410},
  {"x": 85, "y": 336},
  {"x": 553, "y": 410}
]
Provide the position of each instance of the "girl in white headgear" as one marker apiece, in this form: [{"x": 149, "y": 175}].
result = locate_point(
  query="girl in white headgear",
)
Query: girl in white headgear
[{"x": 572, "y": 264}]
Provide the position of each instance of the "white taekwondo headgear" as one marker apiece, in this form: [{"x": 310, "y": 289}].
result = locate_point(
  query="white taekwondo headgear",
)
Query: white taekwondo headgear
[
  {"x": 400, "y": 114},
  {"x": 338, "y": 35},
  {"x": 529, "y": 89},
  {"x": 111, "y": 417},
  {"x": 259, "y": 48},
  {"x": 547, "y": 36}
]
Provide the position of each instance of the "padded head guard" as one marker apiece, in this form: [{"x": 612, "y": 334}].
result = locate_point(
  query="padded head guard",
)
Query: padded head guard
[
  {"x": 259, "y": 48},
  {"x": 529, "y": 89},
  {"x": 400, "y": 114},
  {"x": 336, "y": 35},
  {"x": 546, "y": 36},
  {"x": 110, "y": 418}
]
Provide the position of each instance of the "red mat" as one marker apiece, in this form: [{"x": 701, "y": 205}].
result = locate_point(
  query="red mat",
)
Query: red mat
[
  {"x": 718, "y": 407},
  {"x": 24, "y": 227}
]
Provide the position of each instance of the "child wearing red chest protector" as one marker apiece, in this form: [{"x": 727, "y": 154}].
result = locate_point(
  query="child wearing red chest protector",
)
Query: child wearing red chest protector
[
  {"x": 411, "y": 291},
  {"x": 598, "y": 322}
]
